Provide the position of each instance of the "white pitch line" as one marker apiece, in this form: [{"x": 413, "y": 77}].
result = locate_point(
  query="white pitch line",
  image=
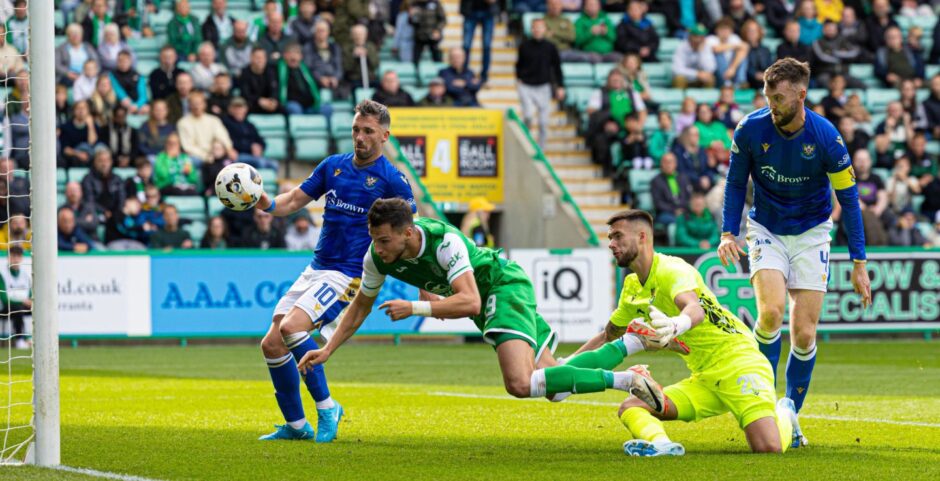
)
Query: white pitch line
[
  {"x": 102, "y": 474},
  {"x": 610, "y": 404}
]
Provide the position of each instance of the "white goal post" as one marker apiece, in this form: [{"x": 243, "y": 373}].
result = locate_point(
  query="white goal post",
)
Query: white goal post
[{"x": 43, "y": 178}]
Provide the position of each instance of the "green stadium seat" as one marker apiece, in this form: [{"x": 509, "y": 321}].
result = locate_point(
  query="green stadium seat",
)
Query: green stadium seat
[
  {"x": 59, "y": 198},
  {"x": 744, "y": 96},
  {"x": 196, "y": 229},
  {"x": 816, "y": 95},
  {"x": 341, "y": 124},
  {"x": 146, "y": 66},
  {"x": 703, "y": 96},
  {"x": 269, "y": 179},
  {"x": 878, "y": 99},
  {"x": 669, "y": 99},
  {"x": 363, "y": 94},
  {"x": 658, "y": 19},
  {"x": 417, "y": 93},
  {"x": 578, "y": 74},
  {"x": 772, "y": 44},
  {"x": 667, "y": 47},
  {"x": 61, "y": 176},
  {"x": 147, "y": 44},
  {"x": 916, "y": 202},
  {"x": 311, "y": 137},
  {"x": 865, "y": 73},
  {"x": 344, "y": 144},
  {"x": 640, "y": 179},
  {"x": 659, "y": 74},
  {"x": 644, "y": 201},
  {"x": 931, "y": 70},
  {"x": 124, "y": 172},
  {"x": 215, "y": 207},
  {"x": 274, "y": 130},
  {"x": 429, "y": 70},
  {"x": 601, "y": 71},
  {"x": 922, "y": 94},
  {"x": 578, "y": 97},
  {"x": 192, "y": 207},
  {"x": 882, "y": 172},
  {"x": 77, "y": 173},
  {"x": 933, "y": 148},
  {"x": 406, "y": 71},
  {"x": 136, "y": 121}
]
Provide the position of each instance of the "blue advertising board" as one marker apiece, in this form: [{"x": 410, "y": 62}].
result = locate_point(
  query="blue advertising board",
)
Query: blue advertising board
[{"x": 230, "y": 294}]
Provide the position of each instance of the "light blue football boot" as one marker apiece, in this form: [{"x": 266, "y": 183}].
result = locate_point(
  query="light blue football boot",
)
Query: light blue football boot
[
  {"x": 641, "y": 447},
  {"x": 284, "y": 431},
  {"x": 785, "y": 407},
  {"x": 328, "y": 423}
]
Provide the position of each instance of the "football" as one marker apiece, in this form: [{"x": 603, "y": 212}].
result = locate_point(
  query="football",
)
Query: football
[{"x": 239, "y": 186}]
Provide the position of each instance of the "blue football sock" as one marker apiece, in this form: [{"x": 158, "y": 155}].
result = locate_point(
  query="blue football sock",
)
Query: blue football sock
[
  {"x": 299, "y": 344},
  {"x": 799, "y": 372},
  {"x": 286, "y": 387},
  {"x": 769, "y": 344}
]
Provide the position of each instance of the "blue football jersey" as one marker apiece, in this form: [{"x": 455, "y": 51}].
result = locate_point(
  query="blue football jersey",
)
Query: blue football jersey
[
  {"x": 350, "y": 192},
  {"x": 793, "y": 175}
]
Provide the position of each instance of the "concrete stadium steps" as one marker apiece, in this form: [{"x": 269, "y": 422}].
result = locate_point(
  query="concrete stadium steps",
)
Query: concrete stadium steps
[
  {"x": 573, "y": 173},
  {"x": 564, "y": 149},
  {"x": 608, "y": 198},
  {"x": 568, "y": 157},
  {"x": 579, "y": 186}
]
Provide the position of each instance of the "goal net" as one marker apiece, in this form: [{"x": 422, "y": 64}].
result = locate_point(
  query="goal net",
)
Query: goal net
[{"x": 29, "y": 428}]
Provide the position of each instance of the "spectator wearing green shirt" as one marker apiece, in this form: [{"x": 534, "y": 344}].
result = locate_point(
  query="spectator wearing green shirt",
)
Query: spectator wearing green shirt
[
  {"x": 661, "y": 139},
  {"x": 696, "y": 227},
  {"x": 183, "y": 32},
  {"x": 710, "y": 129},
  {"x": 561, "y": 32},
  {"x": 595, "y": 34},
  {"x": 174, "y": 172}
]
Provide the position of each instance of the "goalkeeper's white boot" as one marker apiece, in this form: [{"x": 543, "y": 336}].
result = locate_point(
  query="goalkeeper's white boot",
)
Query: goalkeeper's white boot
[
  {"x": 641, "y": 447},
  {"x": 644, "y": 387},
  {"x": 785, "y": 407}
]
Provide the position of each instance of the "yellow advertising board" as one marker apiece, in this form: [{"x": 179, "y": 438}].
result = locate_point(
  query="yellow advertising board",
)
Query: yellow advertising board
[{"x": 456, "y": 152}]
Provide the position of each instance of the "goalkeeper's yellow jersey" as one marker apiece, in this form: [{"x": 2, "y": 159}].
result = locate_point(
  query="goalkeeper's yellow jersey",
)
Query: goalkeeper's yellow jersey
[{"x": 718, "y": 339}]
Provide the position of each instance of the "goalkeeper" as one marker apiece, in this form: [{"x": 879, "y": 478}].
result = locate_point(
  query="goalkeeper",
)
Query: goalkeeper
[{"x": 665, "y": 299}]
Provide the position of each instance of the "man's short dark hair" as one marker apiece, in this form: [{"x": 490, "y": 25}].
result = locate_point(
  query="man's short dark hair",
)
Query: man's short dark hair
[
  {"x": 15, "y": 249},
  {"x": 396, "y": 212},
  {"x": 371, "y": 108},
  {"x": 787, "y": 70},
  {"x": 632, "y": 215}
]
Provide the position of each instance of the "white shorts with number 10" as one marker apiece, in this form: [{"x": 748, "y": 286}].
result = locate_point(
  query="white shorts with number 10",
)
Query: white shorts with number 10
[
  {"x": 803, "y": 259},
  {"x": 321, "y": 294}
]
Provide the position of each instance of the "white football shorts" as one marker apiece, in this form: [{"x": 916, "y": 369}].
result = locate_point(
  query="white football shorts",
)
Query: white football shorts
[
  {"x": 321, "y": 294},
  {"x": 803, "y": 259}
]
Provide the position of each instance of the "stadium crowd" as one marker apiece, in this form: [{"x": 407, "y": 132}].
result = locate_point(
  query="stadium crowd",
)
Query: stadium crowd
[
  {"x": 155, "y": 97},
  {"x": 663, "y": 138}
]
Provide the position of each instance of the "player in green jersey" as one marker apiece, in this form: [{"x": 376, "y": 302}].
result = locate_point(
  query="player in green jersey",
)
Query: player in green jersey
[
  {"x": 496, "y": 293},
  {"x": 728, "y": 371}
]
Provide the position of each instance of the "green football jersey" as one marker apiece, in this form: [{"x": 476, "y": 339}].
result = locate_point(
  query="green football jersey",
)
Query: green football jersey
[
  {"x": 720, "y": 336},
  {"x": 445, "y": 254}
]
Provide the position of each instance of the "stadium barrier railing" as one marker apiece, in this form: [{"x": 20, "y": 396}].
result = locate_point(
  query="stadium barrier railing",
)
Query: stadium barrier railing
[{"x": 565, "y": 195}]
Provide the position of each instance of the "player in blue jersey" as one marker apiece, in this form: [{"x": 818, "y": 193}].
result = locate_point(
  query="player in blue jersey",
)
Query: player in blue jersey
[
  {"x": 793, "y": 156},
  {"x": 351, "y": 183}
]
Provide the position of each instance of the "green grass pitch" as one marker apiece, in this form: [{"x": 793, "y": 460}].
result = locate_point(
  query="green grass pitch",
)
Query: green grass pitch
[{"x": 439, "y": 412}]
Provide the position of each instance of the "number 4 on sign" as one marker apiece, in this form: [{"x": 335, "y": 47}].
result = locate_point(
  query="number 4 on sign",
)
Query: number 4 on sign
[{"x": 441, "y": 158}]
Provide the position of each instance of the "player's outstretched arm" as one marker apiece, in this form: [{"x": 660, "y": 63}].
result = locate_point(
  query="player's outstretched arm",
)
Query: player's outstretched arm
[
  {"x": 360, "y": 307},
  {"x": 465, "y": 302},
  {"x": 284, "y": 204},
  {"x": 610, "y": 333}
]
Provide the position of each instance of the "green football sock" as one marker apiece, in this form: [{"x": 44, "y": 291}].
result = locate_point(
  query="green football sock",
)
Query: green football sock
[
  {"x": 608, "y": 356},
  {"x": 576, "y": 380}
]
